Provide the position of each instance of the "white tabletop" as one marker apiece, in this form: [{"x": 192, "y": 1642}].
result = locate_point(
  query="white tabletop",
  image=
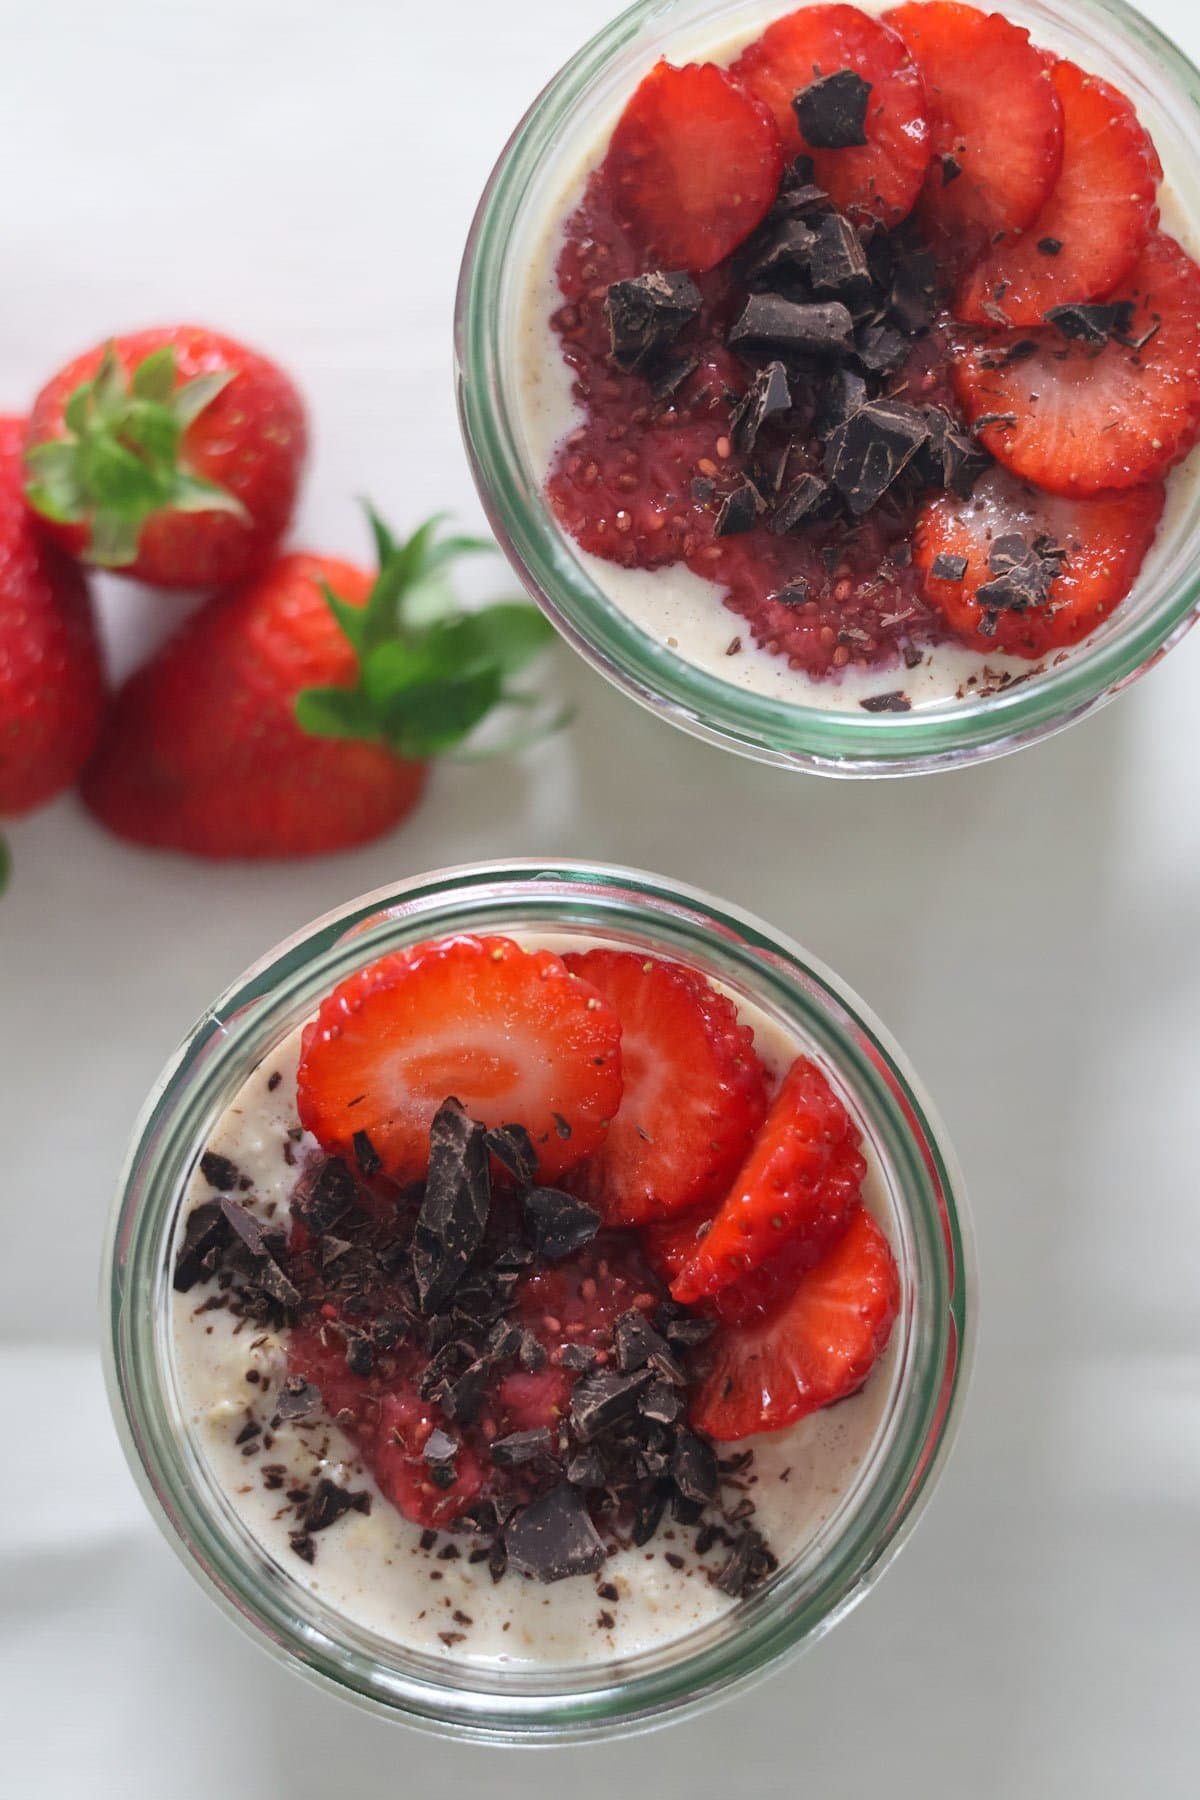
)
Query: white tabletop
[{"x": 303, "y": 174}]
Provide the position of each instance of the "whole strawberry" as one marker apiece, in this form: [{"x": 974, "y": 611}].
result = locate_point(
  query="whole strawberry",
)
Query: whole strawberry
[
  {"x": 296, "y": 715},
  {"x": 51, "y": 676},
  {"x": 172, "y": 455}
]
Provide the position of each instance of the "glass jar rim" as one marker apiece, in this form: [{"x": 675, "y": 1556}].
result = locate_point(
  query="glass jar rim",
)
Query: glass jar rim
[
  {"x": 826, "y": 740},
  {"x": 245, "y": 1024}
]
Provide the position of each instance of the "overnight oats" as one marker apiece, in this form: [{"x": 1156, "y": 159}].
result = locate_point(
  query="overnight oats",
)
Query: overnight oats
[
  {"x": 857, "y": 356},
  {"x": 543, "y": 1302}
]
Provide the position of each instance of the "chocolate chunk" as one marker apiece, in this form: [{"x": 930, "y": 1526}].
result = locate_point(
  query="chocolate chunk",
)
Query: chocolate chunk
[
  {"x": 601, "y": 1401},
  {"x": 332, "y": 1195},
  {"x": 738, "y": 510},
  {"x": 502, "y": 1341},
  {"x": 745, "y": 1567},
  {"x": 694, "y": 1469},
  {"x": 832, "y": 111},
  {"x": 554, "y": 1537},
  {"x": 263, "y": 1271},
  {"x": 454, "y": 1212},
  {"x": 532, "y": 1354},
  {"x": 894, "y": 702},
  {"x": 558, "y": 1224},
  {"x": 219, "y": 1172},
  {"x": 360, "y": 1355},
  {"x": 820, "y": 329},
  {"x": 205, "y": 1231},
  {"x": 691, "y": 1330},
  {"x": 951, "y": 168},
  {"x": 767, "y": 396},
  {"x": 1093, "y": 324},
  {"x": 521, "y": 1447},
  {"x": 913, "y": 298},
  {"x": 440, "y": 1447},
  {"x": 297, "y": 1399},
  {"x": 796, "y": 593},
  {"x": 803, "y": 502},
  {"x": 837, "y": 262},
  {"x": 645, "y": 315},
  {"x": 512, "y": 1147},
  {"x": 950, "y": 457},
  {"x": 1050, "y": 246},
  {"x": 303, "y": 1545},
  {"x": 798, "y": 197},
  {"x": 948, "y": 568},
  {"x": 647, "y": 1515},
  {"x": 769, "y": 468},
  {"x": 842, "y": 393},
  {"x": 660, "y": 1403},
  {"x": 462, "y": 1397},
  {"x": 668, "y": 373},
  {"x": 586, "y": 1470},
  {"x": 635, "y": 1341},
  {"x": 366, "y": 1155},
  {"x": 578, "y": 1357},
  {"x": 329, "y": 1502},
  {"x": 786, "y": 249},
  {"x": 880, "y": 348},
  {"x": 866, "y": 454},
  {"x": 1023, "y": 573}
]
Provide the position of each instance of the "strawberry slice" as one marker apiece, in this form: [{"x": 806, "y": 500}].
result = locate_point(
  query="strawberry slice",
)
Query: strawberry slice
[
  {"x": 1076, "y": 420},
  {"x": 694, "y": 165},
  {"x": 795, "y": 1188},
  {"x": 819, "y": 1347},
  {"x": 883, "y": 176},
  {"x": 1105, "y": 536},
  {"x": 1093, "y": 227},
  {"x": 694, "y": 1093},
  {"x": 995, "y": 124},
  {"x": 509, "y": 1032}
]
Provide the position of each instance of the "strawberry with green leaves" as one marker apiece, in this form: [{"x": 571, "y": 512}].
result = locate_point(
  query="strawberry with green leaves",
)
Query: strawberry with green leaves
[
  {"x": 173, "y": 456},
  {"x": 296, "y": 715}
]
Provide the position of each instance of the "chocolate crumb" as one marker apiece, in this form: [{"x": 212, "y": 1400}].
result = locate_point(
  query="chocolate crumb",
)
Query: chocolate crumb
[
  {"x": 894, "y": 702},
  {"x": 1049, "y": 246}
]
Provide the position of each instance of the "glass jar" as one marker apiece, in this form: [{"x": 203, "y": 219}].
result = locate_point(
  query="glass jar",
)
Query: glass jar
[
  {"x": 565, "y": 130},
  {"x": 932, "y": 1333}
]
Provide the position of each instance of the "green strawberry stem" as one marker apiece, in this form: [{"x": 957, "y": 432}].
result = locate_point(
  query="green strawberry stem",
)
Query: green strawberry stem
[
  {"x": 120, "y": 459},
  {"x": 429, "y": 672}
]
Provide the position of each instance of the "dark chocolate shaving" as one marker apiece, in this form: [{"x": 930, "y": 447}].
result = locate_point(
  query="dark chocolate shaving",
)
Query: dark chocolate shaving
[
  {"x": 1093, "y": 324},
  {"x": 832, "y": 111},
  {"x": 554, "y": 1537},
  {"x": 454, "y": 1212}
]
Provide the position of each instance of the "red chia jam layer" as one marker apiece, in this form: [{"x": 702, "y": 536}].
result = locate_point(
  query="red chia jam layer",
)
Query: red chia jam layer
[
  {"x": 548, "y": 1314},
  {"x": 876, "y": 330}
]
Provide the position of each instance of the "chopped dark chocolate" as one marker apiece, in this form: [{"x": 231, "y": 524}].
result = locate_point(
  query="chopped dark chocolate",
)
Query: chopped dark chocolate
[
  {"x": 1023, "y": 573},
  {"x": 738, "y": 510},
  {"x": 601, "y": 1401},
  {"x": 740, "y": 1574},
  {"x": 579, "y": 1357},
  {"x": 635, "y": 1341},
  {"x": 880, "y": 348},
  {"x": 951, "y": 168},
  {"x": 786, "y": 249},
  {"x": 219, "y": 1172},
  {"x": 767, "y": 396},
  {"x": 946, "y": 567},
  {"x": 329, "y": 1502},
  {"x": 521, "y": 1447},
  {"x": 820, "y": 329},
  {"x": 832, "y": 111},
  {"x": 837, "y": 262},
  {"x": 694, "y": 1469},
  {"x": 950, "y": 457},
  {"x": 262, "y": 1272},
  {"x": 893, "y": 702},
  {"x": 440, "y": 1447},
  {"x": 646, "y": 314},
  {"x": 297, "y": 1398},
  {"x": 864, "y": 455},
  {"x": 912, "y": 302},
  {"x": 554, "y": 1537},
  {"x": 1050, "y": 246},
  {"x": 558, "y": 1224},
  {"x": 461, "y": 1398},
  {"x": 796, "y": 593},
  {"x": 687, "y": 1332},
  {"x": 330, "y": 1198},
  {"x": 1092, "y": 324},
  {"x": 586, "y": 1470},
  {"x": 366, "y": 1155},
  {"x": 205, "y": 1230},
  {"x": 800, "y": 505},
  {"x": 842, "y": 392},
  {"x": 660, "y": 1403},
  {"x": 513, "y": 1149},
  {"x": 360, "y": 1355},
  {"x": 668, "y": 373},
  {"x": 648, "y": 1514},
  {"x": 454, "y": 1211}
]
